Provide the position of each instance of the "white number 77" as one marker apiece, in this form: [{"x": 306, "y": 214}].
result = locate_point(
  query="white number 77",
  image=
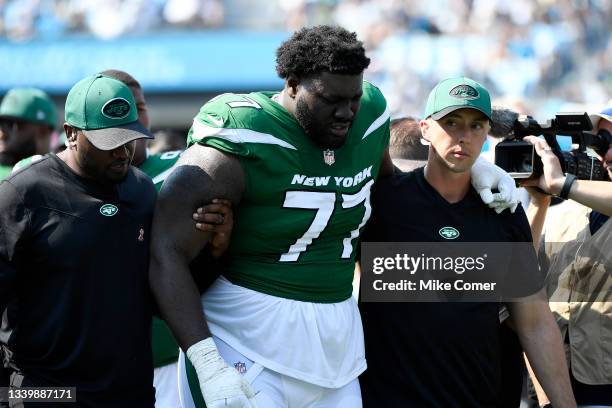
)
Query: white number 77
[{"x": 324, "y": 204}]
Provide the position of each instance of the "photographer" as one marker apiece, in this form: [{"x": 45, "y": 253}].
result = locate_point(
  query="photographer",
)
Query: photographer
[{"x": 578, "y": 275}]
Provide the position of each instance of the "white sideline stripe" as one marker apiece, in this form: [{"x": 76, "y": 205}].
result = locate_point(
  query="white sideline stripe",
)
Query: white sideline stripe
[
  {"x": 201, "y": 131},
  {"x": 377, "y": 123}
]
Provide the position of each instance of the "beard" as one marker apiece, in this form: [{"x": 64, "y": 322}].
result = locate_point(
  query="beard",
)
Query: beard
[
  {"x": 306, "y": 120},
  {"x": 314, "y": 129},
  {"x": 99, "y": 174}
]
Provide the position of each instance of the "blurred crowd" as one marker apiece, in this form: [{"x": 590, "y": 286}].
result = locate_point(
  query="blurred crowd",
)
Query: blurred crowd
[
  {"x": 34, "y": 19},
  {"x": 529, "y": 49}
]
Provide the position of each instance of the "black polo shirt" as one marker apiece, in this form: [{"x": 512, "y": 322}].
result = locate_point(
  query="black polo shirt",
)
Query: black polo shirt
[
  {"x": 433, "y": 354},
  {"x": 73, "y": 282}
]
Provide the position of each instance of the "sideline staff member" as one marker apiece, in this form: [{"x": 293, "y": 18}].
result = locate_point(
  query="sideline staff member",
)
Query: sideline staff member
[
  {"x": 74, "y": 249},
  {"x": 27, "y": 119},
  {"x": 449, "y": 354}
]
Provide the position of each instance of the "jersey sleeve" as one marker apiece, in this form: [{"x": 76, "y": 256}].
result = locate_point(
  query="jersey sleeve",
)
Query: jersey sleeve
[
  {"x": 14, "y": 222},
  {"x": 380, "y": 116},
  {"x": 223, "y": 123}
]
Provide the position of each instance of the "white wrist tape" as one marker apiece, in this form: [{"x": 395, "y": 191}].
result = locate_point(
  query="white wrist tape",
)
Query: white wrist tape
[
  {"x": 220, "y": 384},
  {"x": 205, "y": 359}
]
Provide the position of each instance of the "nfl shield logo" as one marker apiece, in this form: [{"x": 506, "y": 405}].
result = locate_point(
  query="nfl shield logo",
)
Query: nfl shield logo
[
  {"x": 328, "y": 157},
  {"x": 240, "y": 367}
]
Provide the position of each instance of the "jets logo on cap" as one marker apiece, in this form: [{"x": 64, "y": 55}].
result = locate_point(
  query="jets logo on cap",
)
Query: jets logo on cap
[
  {"x": 464, "y": 92},
  {"x": 117, "y": 108},
  {"x": 108, "y": 210},
  {"x": 448, "y": 232}
]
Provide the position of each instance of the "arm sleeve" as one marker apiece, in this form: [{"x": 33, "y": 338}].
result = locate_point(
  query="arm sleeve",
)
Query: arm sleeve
[
  {"x": 14, "y": 221},
  {"x": 217, "y": 126}
]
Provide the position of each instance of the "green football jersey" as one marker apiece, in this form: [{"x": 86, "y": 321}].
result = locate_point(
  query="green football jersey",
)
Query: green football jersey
[
  {"x": 298, "y": 223},
  {"x": 165, "y": 349},
  {"x": 158, "y": 166}
]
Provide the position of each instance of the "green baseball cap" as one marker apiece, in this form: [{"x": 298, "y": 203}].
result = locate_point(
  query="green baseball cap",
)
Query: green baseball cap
[
  {"x": 105, "y": 110},
  {"x": 457, "y": 93},
  {"x": 29, "y": 105}
]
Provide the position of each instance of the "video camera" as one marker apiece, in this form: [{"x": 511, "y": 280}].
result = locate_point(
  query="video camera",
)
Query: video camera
[{"x": 520, "y": 160}]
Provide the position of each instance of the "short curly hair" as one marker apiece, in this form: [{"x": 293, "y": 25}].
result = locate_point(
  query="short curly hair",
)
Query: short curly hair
[{"x": 321, "y": 49}]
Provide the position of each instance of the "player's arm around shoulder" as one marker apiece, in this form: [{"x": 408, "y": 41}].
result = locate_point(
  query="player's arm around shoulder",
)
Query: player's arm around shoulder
[{"x": 201, "y": 174}]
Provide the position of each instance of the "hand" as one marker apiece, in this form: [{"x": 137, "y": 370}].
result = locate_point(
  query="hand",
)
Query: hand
[
  {"x": 217, "y": 218},
  {"x": 552, "y": 179},
  {"x": 221, "y": 386},
  {"x": 487, "y": 176}
]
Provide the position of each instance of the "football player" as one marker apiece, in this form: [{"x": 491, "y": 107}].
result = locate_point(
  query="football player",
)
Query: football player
[{"x": 280, "y": 327}]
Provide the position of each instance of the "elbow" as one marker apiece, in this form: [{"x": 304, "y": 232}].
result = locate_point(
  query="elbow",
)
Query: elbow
[{"x": 541, "y": 327}]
